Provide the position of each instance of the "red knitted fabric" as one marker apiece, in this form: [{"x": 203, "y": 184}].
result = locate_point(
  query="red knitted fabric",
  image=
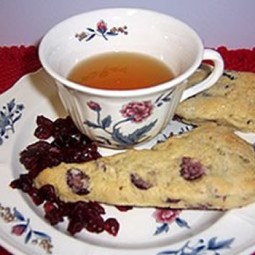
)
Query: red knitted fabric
[
  {"x": 239, "y": 59},
  {"x": 15, "y": 62},
  {"x": 18, "y": 61}
]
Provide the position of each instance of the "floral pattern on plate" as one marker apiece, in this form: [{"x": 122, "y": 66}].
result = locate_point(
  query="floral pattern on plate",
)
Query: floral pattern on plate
[
  {"x": 21, "y": 227},
  {"x": 101, "y": 30},
  {"x": 9, "y": 115},
  {"x": 201, "y": 247},
  {"x": 166, "y": 217}
]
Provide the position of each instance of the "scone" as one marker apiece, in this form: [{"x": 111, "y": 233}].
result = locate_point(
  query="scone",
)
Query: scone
[
  {"x": 230, "y": 102},
  {"x": 207, "y": 168}
]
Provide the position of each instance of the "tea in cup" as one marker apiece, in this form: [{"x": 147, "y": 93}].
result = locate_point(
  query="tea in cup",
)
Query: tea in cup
[{"x": 121, "y": 72}]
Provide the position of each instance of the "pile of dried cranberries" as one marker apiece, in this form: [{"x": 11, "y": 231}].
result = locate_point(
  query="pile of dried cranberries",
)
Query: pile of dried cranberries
[{"x": 60, "y": 141}]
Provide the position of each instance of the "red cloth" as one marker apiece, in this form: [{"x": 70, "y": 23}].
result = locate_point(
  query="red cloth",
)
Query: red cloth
[{"x": 17, "y": 61}]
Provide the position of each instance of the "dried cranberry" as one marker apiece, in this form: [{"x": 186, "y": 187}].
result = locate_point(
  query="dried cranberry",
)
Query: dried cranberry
[
  {"x": 75, "y": 226},
  {"x": 173, "y": 200},
  {"x": 112, "y": 226},
  {"x": 47, "y": 192},
  {"x": 43, "y": 133},
  {"x": 24, "y": 183},
  {"x": 94, "y": 223},
  {"x": 139, "y": 182},
  {"x": 34, "y": 194},
  {"x": 96, "y": 207},
  {"x": 191, "y": 169},
  {"x": 84, "y": 215},
  {"x": 45, "y": 127},
  {"x": 124, "y": 208},
  {"x": 53, "y": 213},
  {"x": 78, "y": 181},
  {"x": 44, "y": 121},
  {"x": 65, "y": 126}
]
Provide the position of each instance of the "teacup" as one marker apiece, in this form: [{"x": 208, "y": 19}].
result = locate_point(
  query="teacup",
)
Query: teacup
[{"x": 116, "y": 118}]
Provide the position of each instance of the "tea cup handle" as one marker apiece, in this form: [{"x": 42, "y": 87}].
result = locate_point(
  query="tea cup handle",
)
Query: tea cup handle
[{"x": 217, "y": 71}]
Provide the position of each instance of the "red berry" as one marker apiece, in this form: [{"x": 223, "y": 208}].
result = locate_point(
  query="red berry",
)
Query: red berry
[{"x": 112, "y": 226}]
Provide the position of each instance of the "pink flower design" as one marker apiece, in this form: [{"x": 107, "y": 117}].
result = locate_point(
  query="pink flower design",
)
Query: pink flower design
[
  {"x": 18, "y": 230},
  {"x": 94, "y": 106},
  {"x": 101, "y": 30},
  {"x": 101, "y": 27},
  {"x": 166, "y": 215},
  {"x": 138, "y": 111}
]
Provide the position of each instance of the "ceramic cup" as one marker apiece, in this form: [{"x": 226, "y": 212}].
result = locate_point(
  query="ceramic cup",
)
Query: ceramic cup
[{"x": 122, "y": 119}]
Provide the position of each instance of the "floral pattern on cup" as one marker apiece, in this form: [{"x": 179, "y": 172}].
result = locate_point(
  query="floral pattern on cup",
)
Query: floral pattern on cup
[
  {"x": 137, "y": 111},
  {"x": 166, "y": 217},
  {"x": 101, "y": 30},
  {"x": 133, "y": 112}
]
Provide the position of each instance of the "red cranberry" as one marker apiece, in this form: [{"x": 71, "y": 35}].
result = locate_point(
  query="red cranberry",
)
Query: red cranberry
[
  {"x": 24, "y": 183},
  {"x": 75, "y": 226},
  {"x": 124, "y": 208},
  {"x": 52, "y": 213},
  {"x": 47, "y": 192},
  {"x": 191, "y": 169},
  {"x": 139, "y": 182},
  {"x": 34, "y": 194},
  {"x": 112, "y": 226},
  {"x": 78, "y": 181}
]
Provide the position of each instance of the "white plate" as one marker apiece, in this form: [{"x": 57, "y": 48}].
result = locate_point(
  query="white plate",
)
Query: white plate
[{"x": 23, "y": 229}]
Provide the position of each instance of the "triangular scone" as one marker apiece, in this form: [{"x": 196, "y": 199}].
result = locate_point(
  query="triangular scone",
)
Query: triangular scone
[
  {"x": 207, "y": 168},
  {"x": 230, "y": 102}
]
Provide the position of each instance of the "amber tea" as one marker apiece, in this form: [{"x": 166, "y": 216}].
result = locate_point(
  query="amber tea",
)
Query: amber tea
[{"x": 120, "y": 71}]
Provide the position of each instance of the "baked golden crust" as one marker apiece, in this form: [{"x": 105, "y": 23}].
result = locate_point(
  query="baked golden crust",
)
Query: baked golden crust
[
  {"x": 230, "y": 102},
  {"x": 209, "y": 168}
]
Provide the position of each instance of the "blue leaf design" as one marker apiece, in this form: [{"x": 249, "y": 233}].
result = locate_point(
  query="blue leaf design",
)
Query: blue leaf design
[
  {"x": 182, "y": 223},
  {"x": 163, "y": 228},
  {"x": 4, "y": 121},
  {"x": 106, "y": 122},
  {"x": 2, "y": 131},
  {"x": 120, "y": 138},
  {"x": 91, "y": 124},
  {"x": 91, "y": 29},
  {"x": 111, "y": 33},
  {"x": 133, "y": 137},
  {"x": 168, "y": 252},
  {"x": 214, "y": 245},
  {"x": 20, "y": 107},
  {"x": 90, "y": 37},
  {"x": 200, "y": 247},
  {"x": 11, "y": 105},
  {"x": 28, "y": 236},
  {"x": 17, "y": 118},
  {"x": 18, "y": 215},
  {"x": 163, "y": 98},
  {"x": 41, "y": 235},
  {"x": 140, "y": 132}
]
